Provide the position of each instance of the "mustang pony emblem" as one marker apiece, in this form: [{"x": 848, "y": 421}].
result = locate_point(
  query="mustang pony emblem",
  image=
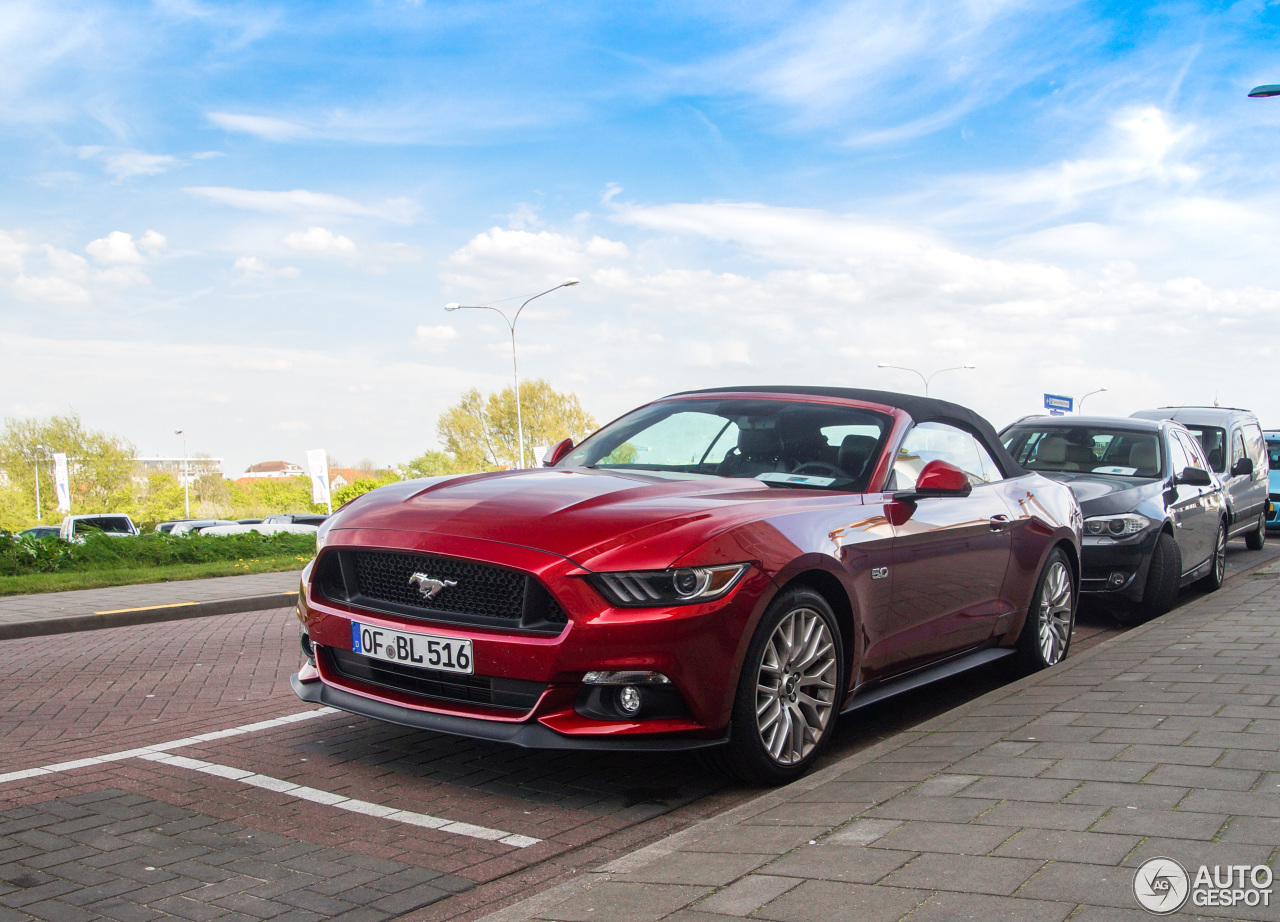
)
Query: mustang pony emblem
[{"x": 429, "y": 586}]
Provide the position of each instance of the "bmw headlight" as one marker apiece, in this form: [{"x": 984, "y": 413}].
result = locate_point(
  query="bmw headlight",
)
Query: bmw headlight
[
  {"x": 1116, "y": 526},
  {"x": 677, "y": 586}
]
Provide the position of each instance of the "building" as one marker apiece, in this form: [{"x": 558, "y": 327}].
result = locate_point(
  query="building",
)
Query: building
[
  {"x": 194, "y": 468},
  {"x": 273, "y": 469},
  {"x": 340, "y": 477}
]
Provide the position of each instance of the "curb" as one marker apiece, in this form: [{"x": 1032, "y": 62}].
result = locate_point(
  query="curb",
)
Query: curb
[{"x": 177, "y": 611}]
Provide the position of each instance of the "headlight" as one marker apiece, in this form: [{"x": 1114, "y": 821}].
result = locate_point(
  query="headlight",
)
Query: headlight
[
  {"x": 1116, "y": 526},
  {"x": 678, "y": 586}
]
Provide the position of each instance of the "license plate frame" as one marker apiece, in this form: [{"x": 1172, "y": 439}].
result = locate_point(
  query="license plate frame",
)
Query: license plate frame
[{"x": 413, "y": 649}]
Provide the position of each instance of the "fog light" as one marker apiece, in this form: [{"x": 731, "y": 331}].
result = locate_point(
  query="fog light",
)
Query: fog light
[
  {"x": 307, "y": 650},
  {"x": 1116, "y": 580},
  {"x": 629, "y": 700}
]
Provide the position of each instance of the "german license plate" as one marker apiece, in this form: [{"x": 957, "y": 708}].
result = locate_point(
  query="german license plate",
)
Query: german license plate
[{"x": 426, "y": 651}]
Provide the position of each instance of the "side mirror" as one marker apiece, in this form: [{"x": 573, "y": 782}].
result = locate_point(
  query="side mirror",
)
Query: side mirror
[
  {"x": 1195, "y": 477},
  {"x": 1243, "y": 468},
  {"x": 939, "y": 478},
  {"x": 557, "y": 453}
]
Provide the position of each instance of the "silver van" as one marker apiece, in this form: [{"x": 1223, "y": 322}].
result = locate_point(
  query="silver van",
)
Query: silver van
[{"x": 1233, "y": 443}]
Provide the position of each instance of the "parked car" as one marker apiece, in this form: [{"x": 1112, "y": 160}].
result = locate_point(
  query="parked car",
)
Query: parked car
[
  {"x": 197, "y": 526},
  {"x": 1273, "y": 478},
  {"x": 1155, "y": 519},
  {"x": 111, "y": 524},
  {"x": 262, "y": 528},
  {"x": 295, "y": 518},
  {"x": 722, "y": 570},
  {"x": 165, "y": 528},
  {"x": 249, "y": 521},
  {"x": 39, "y": 531},
  {"x": 1237, "y": 454}
]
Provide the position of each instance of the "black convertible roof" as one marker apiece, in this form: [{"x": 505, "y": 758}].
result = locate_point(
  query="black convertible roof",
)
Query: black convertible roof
[{"x": 920, "y": 409}]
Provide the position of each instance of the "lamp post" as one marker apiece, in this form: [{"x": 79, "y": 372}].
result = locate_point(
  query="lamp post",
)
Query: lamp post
[
  {"x": 1080, "y": 402},
  {"x": 511, "y": 324},
  {"x": 1261, "y": 92},
  {"x": 186, "y": 486},
  {"x": 35, "y": 459},
  {"x": 921, "y": 374}
]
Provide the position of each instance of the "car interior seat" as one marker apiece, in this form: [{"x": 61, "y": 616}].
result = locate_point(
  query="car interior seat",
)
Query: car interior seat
[
  {"x": 759, "y": 451},
  {"x": 856, "y": 455},
  {"x": 1081, "y": 456},
  {"x": 1051, "y": 454},
  {"x": 1144, "y": 458}
]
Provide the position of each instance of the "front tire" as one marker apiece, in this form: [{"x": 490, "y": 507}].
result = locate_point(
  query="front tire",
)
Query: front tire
[
  {"x": 1163, "y": 578},
  {"x": 1217, "y": 575},
  {"x": 1051, "y": 617},
  {"x": 1256, "y": 540},
  {"x": 788, "y": 692}
]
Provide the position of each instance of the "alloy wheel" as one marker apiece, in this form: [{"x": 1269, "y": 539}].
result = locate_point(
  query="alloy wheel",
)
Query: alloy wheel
[
  {"x": 796, "y": 686},
  {"x": 1055, "y": 614},
  {"x": 1220, "y": 555}
]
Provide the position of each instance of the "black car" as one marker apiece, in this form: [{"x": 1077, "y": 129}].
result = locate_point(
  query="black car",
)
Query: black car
[
  {"x": 295, "y": 518},
  {"x": 1155, "y": 519}
]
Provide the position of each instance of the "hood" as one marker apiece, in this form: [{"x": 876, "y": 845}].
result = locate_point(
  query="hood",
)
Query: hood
[
  {"x": 574, "y": 513},
  {"x": 1105, "y": 494}
]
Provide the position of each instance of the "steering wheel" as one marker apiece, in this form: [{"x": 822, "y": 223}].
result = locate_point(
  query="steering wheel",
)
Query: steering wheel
[{"x": 822, "y": 467}]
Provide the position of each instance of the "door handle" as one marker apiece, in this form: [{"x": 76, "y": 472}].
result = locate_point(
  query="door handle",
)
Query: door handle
[{"x": 999, "y": 522}]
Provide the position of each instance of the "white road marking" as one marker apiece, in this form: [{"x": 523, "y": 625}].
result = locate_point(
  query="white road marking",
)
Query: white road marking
[
  {"x": 165, "y": 747},
  {"x": 302, "y": 792},
  {"x": 159, "y": 753}
]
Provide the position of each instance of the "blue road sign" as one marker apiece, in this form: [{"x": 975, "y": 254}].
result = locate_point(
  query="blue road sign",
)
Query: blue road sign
[{"x": 1057, "y": 402}]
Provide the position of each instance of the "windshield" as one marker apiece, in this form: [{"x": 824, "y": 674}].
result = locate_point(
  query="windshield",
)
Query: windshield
[
  {"x": 1214, "y": 442},
  {"x": 112, "y": 525},
  {"x": 1121, "y": 452},
  {"x": 781, "y": 442}
]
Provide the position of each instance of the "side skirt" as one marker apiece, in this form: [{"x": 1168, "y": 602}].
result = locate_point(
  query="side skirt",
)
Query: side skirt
[{"x": 928, "y": 676}]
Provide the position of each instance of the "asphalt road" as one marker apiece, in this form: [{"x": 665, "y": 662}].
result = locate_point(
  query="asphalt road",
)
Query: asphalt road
[{"x": 328, "y": 816}]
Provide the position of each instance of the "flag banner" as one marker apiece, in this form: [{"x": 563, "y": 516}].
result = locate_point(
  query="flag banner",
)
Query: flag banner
[
  {"x": 318, "y": 466},
  {"x": 61, "y": 482}
]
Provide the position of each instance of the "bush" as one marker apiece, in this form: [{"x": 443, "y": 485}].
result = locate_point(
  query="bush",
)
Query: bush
[{"x": 98, "y": 552}]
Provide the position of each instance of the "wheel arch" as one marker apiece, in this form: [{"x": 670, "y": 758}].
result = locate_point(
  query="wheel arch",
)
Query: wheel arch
[{"x": 828, "y": 585}]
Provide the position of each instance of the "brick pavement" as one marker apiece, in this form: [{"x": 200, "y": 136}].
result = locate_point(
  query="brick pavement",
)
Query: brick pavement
[{"x": 1037, "y": 800}]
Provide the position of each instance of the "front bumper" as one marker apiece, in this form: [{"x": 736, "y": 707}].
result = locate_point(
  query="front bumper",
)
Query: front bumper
[
  {"x": 698, "y": 647},
  {"x": 1116, "y": 570}
]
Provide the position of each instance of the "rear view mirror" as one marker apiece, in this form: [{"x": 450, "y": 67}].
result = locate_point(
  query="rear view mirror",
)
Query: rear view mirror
[
  {"x": 557, "y": 453},
  {"x": 1243, "y": 468},
  {"x": 938, "y": 478},
  {"x": 1195, "y": 477}
]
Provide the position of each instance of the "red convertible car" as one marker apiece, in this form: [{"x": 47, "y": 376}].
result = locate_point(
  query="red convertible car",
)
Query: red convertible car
[{"x": 725, "y": 570}]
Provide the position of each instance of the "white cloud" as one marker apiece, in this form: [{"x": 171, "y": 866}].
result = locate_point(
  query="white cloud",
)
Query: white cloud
[
  {"x": 271, "y": 129},
  {"x": 124, "y": 163},
  {"x": 12, "y": 249},
  {"x": 435, "y": 338},
  {"x": 320, "y": 241},
  {"x": 252, "y": 267},
  {"x": 304, "y": 202},
  {"x": 116, "y": 247},
  {"x": 512, "y": 258},
  {"x": 65, "y": 263},
  {"x": 50, "y": 290},
  {"x": 153, "y": 242}
]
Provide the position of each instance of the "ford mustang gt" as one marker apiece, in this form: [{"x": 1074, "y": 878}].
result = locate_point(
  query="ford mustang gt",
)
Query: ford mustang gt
[{"x": 725, "y": 570}]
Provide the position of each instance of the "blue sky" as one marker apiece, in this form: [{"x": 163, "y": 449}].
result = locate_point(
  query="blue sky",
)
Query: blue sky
[{"x": 244, "y": 219}]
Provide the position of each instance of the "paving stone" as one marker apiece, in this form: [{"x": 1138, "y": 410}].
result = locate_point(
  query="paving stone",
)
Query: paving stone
[
  {"x": 965, "y": 873},
  {"x": 1110, "y": 793},
  {"x": 1066, "y": 845},
  {"x": 745, "y": 896},
  {"x": 757, "y": 840},
  {"x": 862, "y": 832},
  {"x": 1072, "y": 882},
  {"x": 823, "y": 901},
  {"x": 964, "y": 907},
  {"x": 699, "y": 868},
  {"x": 623, "y": 902},
  {"x": 1046, "y": 816},
  {"x": 1165, "y": 823},
  {"x": 840, "y": 862},
  {"x": 954, "y": 838},
  {"x": 948, "y": 809}
]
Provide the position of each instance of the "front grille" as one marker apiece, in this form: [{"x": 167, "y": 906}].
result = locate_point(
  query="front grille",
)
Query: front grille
[
  {"x": 490, "y": 691},
  {"x": 480, "y": 593}
]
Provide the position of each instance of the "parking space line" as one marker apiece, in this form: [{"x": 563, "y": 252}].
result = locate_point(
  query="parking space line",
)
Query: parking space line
[
  {"x": 142, "y": 751},
  {"x": 315, "y": 795}
]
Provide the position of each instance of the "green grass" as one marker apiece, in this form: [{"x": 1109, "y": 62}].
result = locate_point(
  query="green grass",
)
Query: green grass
[{"x": 130, "y": 576}]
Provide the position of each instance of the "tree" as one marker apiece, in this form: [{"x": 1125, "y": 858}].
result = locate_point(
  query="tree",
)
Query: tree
[
  {"x": 100, "y": 465},
  {"x": 434, "y": 464},
  {"x": 480, "y": 433}
]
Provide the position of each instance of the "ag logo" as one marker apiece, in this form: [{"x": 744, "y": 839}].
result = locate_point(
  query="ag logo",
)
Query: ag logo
[{"x": 1161, "y": 886}]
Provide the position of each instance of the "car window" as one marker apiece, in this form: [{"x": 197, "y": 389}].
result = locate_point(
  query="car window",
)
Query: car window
[
  {"x": 1214, "y": 442},
  {"x": 940, "y": 442},
  {"x": 1178, "y": 460},
  {"x": 1195, "y": 455},
  {"x": 1087, "y": 449},
  {"x": 1273, "y": 455},
  {"x": 1237, "y": 449},
  {"x": 1255, "y": 445}
]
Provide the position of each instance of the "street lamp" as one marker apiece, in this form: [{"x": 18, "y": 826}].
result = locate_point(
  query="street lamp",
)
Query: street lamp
[
  {"x": 511, "y": 324},
  {"x": 922, "y": 377},
  {"x": 1080, "y": 402},
  {"x": 186, "y": 486},
  {"x": 35, "y": 459},
  {"x": 1261, "y": 92}
]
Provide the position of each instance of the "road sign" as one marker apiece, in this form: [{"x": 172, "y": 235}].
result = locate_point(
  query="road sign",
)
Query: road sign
[{"x": 1057, "y": 402}]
